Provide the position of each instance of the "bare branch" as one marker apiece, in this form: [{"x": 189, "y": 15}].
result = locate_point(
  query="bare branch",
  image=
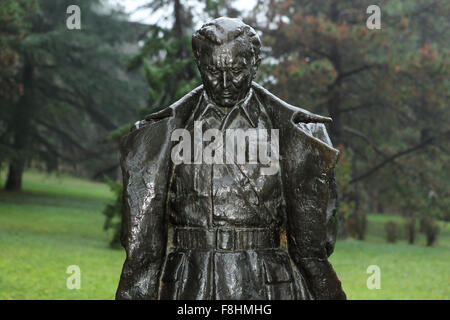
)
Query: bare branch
[
  {"x": 355, "y": 108},
  {"x": 392, "y": 158},
  {"x": 355, "y": 71},
  {"x": 365, "y": 138}
]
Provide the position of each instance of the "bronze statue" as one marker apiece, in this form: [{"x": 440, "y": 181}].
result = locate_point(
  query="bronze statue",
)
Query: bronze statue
[{"x": 224, "y": 218}]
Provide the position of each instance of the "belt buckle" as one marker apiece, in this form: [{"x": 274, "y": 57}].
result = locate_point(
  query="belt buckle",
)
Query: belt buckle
[{"x": 225, "y": 239}]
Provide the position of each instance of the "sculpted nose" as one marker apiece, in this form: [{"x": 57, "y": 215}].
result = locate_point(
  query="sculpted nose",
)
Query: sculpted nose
[{"x": 224, "y": 79}]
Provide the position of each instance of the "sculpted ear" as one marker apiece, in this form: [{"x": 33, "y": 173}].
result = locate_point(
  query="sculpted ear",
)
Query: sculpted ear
[{"x": 197, "y": 58}]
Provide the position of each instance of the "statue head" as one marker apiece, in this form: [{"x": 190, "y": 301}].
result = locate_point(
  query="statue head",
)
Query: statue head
[{"x": 227, "y": 54}]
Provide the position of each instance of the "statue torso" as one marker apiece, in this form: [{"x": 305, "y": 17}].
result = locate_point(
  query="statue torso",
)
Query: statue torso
[
  {"x": 236, "y": 209},
  {"x": 226, "y": 195}
]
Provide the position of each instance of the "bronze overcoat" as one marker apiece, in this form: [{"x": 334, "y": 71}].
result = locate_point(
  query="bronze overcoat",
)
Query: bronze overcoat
[{"x": 307, "y": 162}]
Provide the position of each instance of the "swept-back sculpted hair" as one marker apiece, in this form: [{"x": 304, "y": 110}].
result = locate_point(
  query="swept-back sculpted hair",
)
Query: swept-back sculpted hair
[{"x": 223, "y": 30}]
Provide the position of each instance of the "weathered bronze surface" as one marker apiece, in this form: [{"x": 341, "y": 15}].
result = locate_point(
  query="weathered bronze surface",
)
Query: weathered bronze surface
[{"x": 224, "y": 220}]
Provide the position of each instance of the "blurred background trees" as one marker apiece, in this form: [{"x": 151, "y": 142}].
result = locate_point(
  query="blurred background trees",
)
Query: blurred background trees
[
  {"x": 72, "y": 89},
  {"x": 387, "y": 92},
  {"x": 66, "y": 97}
]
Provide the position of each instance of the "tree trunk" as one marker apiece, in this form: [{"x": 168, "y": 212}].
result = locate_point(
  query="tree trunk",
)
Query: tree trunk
[
  {"x": 20, "y": 127},
  {"x": 342, "y": 227},
  {"x": 17, "y": 163},
  {"x": 15, "y": 173}
]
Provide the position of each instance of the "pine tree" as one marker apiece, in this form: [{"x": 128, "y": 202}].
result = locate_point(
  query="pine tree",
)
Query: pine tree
[{"x": 75, "y": 90}]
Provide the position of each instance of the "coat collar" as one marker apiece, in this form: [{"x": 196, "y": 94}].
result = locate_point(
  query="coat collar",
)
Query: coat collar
[{"x": 250, "y": 110}]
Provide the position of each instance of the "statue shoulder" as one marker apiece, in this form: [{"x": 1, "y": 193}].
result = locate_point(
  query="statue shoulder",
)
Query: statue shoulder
[
  {"x": 179, "y": 109},
  {"x": 312, "y": 124},
  {"x": 148, "y": 134}
]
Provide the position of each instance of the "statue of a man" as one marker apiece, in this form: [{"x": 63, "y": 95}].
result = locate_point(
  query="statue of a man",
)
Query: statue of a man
[{"x": 224, "y": 218}]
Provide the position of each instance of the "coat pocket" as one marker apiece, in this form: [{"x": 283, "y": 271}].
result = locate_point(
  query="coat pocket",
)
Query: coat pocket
[
  {"x": 278, "y": 276},
  {"x": 277, "y": 268}
]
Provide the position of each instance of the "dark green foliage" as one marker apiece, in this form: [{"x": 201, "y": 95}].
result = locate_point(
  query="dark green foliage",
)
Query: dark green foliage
[
  {"x": 392, "y": 231},
  {"x": 113, "y": 213},
  {"x": 430, "y": 228}
]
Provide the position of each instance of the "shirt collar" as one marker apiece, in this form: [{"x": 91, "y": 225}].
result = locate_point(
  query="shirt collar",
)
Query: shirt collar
[{"x": 249, "y": 110}]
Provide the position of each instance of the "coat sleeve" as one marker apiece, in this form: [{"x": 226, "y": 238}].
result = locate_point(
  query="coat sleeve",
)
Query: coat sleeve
[
  {"x": 144, "y": 227},
  {"x": 311, "y": 228},
  {"x": 319, "y": 131}
]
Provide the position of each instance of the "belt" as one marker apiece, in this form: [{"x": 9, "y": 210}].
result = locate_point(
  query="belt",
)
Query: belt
[{"x": 224, "y": 239}]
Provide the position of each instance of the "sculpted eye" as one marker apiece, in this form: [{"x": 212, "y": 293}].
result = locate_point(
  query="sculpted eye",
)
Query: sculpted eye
[{"x": 213, "y": 72}]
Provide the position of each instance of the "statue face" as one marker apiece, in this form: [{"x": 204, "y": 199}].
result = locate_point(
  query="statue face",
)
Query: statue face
[{"x": 227, "y": 72}]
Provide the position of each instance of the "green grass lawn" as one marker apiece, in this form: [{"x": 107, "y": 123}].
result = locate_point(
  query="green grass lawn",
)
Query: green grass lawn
[
  {"x": 57, "y": 222},
  {"x": 407, "y": 271}
]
